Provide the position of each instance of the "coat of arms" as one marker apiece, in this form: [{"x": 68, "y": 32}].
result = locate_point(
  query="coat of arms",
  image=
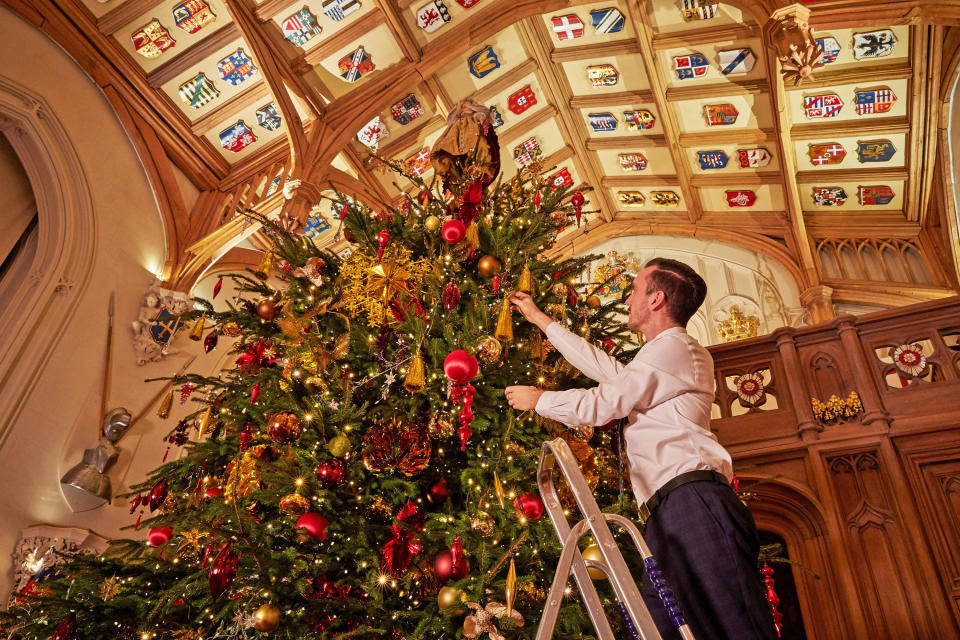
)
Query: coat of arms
[
  {"x": 829, "y": 196},
  {"x": 740, "y": 198},
  {"x": 432, "y": 16},
  {"x": 826, "y": 105},
  {"x": 353, "y": 65},
  {"x": 268, "y": 117},
  {"x": 639, "y": 119},
  {"x": 826, "y": 153},
  {"x": 631, "y": 198},
  {"x": 602, "y": 122},
  {"x": 407, "y": 110},
  {"x": 875, "y": 195},
  {"x": 603, "y": 75},
  {"x": 521, "y": 100},
  {"x": 875, "y": 150},
  {"x": 300, "y": 27},
  {"x": 830, "y": 47},
  {"x": 373, "y": 133},
  {"x": 198, "y": 91},
  {"x": 567, "y": 27},
  {"x": 527, "y": 151},
  {"x": 237, "y": 137},
  {"x": 192, "y": 15},
  {"x": 698, "y": 9},
  {"x": 561, "y": 179},
  {"x": 483, "y": 62},
  {"x": 632, "y": 161},
  {"x": 418, "y": 163},
  {"x": 712, "y": 159},
  {"x": 337, "y": 10},
  {"x": 236, "y": 67},
  {"x": 314, "y": 226},
  {"x": 152, "y": 39},
  {"x": 873, "y": 44},
  {"x": 720, "y": 114},
  {"x": 753, "y": 158},
  {"x": 665, "y": 198},
  {"x": 736, "y": 61},
  {"x": 607, "y": 20},
  {"x": 874, "y": 101},
  {"x": 692, "y": 65}
]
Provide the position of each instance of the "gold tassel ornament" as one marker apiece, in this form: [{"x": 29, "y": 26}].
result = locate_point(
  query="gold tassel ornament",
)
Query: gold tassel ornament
[
  {"x": 163, "y": 411},
  {"x": 416, "y": 378},
  {"x": 504, "y": 330},
  {"x": 197, "y": 332},
  {"x": 525, "y": 283},
  {"x": 473, "y": 236},
  {"x": 498, "y": 487},
  {"x": 266, "y": 264},
  {"x": 510, "y": 588},
  {"x": 203, "y": 423}
]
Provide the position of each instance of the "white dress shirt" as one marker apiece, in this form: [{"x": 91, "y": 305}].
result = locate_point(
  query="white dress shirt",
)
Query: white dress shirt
[{"x": 666, "y": 392}]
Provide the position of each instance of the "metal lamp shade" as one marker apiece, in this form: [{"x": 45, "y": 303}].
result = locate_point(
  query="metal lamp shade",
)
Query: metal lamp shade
[{"x": 86, "y": 486}]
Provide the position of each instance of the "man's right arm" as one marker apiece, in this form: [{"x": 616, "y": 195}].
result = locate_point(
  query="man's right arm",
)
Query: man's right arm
[{"x": 593, "y": 362}]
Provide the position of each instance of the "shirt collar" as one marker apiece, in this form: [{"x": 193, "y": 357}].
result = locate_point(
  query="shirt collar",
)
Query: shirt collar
[{"x": 667, "y": 332}]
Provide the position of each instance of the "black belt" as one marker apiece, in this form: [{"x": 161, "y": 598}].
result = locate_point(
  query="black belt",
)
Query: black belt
[{"x": 700, "y": 475}]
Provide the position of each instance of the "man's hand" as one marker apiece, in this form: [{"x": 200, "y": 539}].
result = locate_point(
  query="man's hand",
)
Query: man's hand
[
  {"x": 528, "y": 309},
  {"x": 523, "y": 398}
]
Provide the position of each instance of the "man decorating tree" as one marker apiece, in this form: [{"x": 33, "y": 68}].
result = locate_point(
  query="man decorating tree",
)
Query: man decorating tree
[{"x": 701, "y": 534}]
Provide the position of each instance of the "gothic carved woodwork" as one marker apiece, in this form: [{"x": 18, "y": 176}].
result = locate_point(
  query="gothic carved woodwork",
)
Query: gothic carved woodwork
[{"x": 788, "y": 33}]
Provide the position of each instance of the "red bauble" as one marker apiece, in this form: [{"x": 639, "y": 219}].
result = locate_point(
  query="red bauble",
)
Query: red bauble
[
  {"x": 314, "y": 525},
  {"x": 223, "y": 570},
  {"x": 157, "y": 495},
  {"x": 331, "y": 473},
  {"x": 460, "y": 366},
  {"x": 67, "y": 629},
  {"x": 382, "y": 239},
  {"x": 210, "y": 342},
  {"x": 440, "y": 491},
  {"x": 159, "y": 536},
  {"x": 453, "y": 231},
  {"x": 213, "y": 492},
  {"x": 451, "y": 295},
  {"x": 530, "y": 505},
  {"x": 447, "y": 569}
]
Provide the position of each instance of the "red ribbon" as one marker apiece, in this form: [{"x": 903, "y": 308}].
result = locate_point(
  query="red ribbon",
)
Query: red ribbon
[
  {"x": 464, "y": 392},
  {"x": 404, "y": 544}
]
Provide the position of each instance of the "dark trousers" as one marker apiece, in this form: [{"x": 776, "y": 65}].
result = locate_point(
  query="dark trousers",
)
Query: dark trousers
[{"x": 706, "y": 544}]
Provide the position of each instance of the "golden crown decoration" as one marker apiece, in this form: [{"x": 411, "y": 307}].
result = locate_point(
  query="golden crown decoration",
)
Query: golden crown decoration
[{"x": 738, "y": 326}]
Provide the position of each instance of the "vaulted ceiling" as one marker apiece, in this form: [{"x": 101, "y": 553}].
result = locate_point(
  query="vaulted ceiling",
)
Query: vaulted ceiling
[{"x": 672, "y": 115}]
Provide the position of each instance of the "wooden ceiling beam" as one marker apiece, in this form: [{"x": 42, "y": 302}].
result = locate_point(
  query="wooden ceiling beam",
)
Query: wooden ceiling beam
[
  {"x": 608, "y": 99},
  {"x": 708, "y": 35},
  {"x": 442, "y": 101},
  {"x": 717, "y": 89},
  {"x": 877, "y": 73},
  {"x": 637, "y": 14},
  {"x": 640, "y": 181},
  {"x": 114, "y": 20},
  {"x": 352, "y": 33},
  {"x": 861, "y": 174},
  {"x": 724, "y": 179},
  {"x": 560, "y": 55},
  {"x": 734, "y": 136},
  {"x": 925, "y": 108},
  {"x": 400, "y": 30},
  {"x": 861, "y": 127},
  {"x": 193, "y": 56},
  {"x": 876, "y": 224},
  {"x": 270, "y": 9},
  {"x": 532, "y": 121},
  {"x": 410, "y": 136},
  {"x": 225, "y": 108},
  {"x": 765, "y": 222},
  {"x": 537, "y": 40},
  {"x": 837, "y": 14},
  {"x": 625, "y": 142},
  {"x": 506, "y": 80}
]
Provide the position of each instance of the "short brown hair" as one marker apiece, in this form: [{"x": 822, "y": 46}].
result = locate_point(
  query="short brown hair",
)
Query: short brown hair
[{"x": 683, "y": 288}]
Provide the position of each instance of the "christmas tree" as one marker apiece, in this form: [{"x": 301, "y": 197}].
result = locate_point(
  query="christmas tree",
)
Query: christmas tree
[{"x": 357, "y": 472}]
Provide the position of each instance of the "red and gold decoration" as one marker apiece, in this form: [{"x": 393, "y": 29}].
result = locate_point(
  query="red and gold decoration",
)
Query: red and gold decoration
[
  {"x": 482, "y": 620},
  {"x": 404, "y": 543},
  {"x": 448, "y": 596},
  {"x": 294, "y": 504},
  {"x": 339, "y": 445},
  {"x": 450, "y": 296},
  {"x": 750, "y": 389},
  {"x": 160, "y": 536},
  {"x": 267, "y": 309},
  {"x": 504, "y": 328},
  {"x": 284, "y": 427},
  {"x": 772, "y": 598},
  {"x": 453, "y": 231},
  {"x": 313, "y": 525},
  {"x": 488, "y": 266},
  {"x": 909, "y": 359},
  {"x": 432, "y": 223},
  {"x": 836, "y": 407},
  {"x": 391, "y": 285},
  {"x": 461, "y": 368},
  {"x": 196, "y": 334},
  {"x": 331, "y": 473},
  {"x": 266, "y": 618},
  {"x": 396, "y": 446},
  {"x": 223, "y": 570},
  {"x": 416, "y": 378},
  {"x": 510, "y": 586},
  {"x": 577, "y": 200},
  {"x": 592, "y": 552},
  {"x": 489, "y": 350},
  {"x": 525, "y": 281},
  {"x": 67, "y": 629},
  {"x": 452, "y": 564},
  {"x": 529, "y": 505}
]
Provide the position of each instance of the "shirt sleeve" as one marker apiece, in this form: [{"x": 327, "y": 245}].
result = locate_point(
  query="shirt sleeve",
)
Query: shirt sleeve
[
  {"x": 591, "y": 361},
  {"x": 638, "y": 386}
]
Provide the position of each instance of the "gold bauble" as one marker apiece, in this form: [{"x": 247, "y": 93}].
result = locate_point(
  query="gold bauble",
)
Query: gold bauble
[
  {"x": 592, "y": 552},
  {"x": 432, "y": 223},
  {"x": 594, "y": 302},
  {"x": 266, "y": 618},
  {"x": 560, "y": 290},
  {"x": 441, "y": 427},
  {"x": 197, "y": 332},
  {"x": 448, "y": 597},
  {"x": 231, "y": 329},
  {"x": 267, "y": 309},
  {"x": 489, "y": 350},
  {"x": 339, "y": 445},
  {"x": 488, "y": 266},
  {"x": 163, "y": 411},
  {"x": 294, "y": 504}
]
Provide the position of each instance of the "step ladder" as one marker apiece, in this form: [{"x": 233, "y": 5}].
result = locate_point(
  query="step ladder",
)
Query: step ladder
[{"x": 556, "y": 454}]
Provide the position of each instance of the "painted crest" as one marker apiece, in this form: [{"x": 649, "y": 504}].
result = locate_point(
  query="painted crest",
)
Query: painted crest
[
  {"x": 875, "y": 150},
  {"x": 268, "y": 117},
  {"x": 198, "y": 91},
  {"x": 826, "y": 105},
  {"x": 407, "y": 110},
  {"x": 237, "y": 137},
  {"x": 561, "y": 179},
  {"x": 521, "y": 100},
  {"x": 602, "y": 122},
  {"x": 712, "y": 159},
  {"x": 373, "y": 133},
  {"x": 192, "y": 15},
  {"x": 314, "y": 226},
  {"x": 603, "y": 75},
  {"x": 527, "y": 151},
  {"x": 631, "y": 198},
  {"x": 692, "y": 65},
  {"x": 665, "y": 198},
  {"x": 418, "y": 163},
  {"x": 753, "y": 158},
  {"x": 639, "y": 119},
  {"x": 829, "y": 196},
  {"x": 236, "y": 67},
  {"x": 607, "y": 20},
  {"x": 152, "y": 39},
  {"x": 354, "y": 65},
  {"x": 432, "y": 16},
  {"x": 826, "y": 153},
  {"x": 874, "y": 101},
  {"x": 736, "y": 61},
  {"x": 831, "y": 49},
  {"x": 698, "y": 9},
  {"x": 873, "y": 44},
  {"x": 484, "y": 62},
  {"x": 875, "y": 195},
  {"x": 720, "y": 114},
  {"x": 165, "y": 326},
  {"x": 567, "y": 27},
  {"x": 740, "y": 198},
  {"x": 337, "y": 10},
  {"x": 300, "y": 27},
  {"x": 495, "y": 117},
  {"x": 632, "y": 161},
  {"x": 466, "y": 4}
]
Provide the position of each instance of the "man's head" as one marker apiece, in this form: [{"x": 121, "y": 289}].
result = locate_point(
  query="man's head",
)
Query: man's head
[{"x": 666, "y": 292}]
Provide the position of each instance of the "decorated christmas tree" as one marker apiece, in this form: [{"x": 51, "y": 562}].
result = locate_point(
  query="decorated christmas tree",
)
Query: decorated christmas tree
[{"x": 357, "y": 472}]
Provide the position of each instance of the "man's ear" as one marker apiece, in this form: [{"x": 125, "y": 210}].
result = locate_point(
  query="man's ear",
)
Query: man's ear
[{"x": 659, "y": 299}]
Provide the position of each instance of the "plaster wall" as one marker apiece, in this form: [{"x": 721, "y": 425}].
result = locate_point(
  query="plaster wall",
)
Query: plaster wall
[{"x": 57, "y": 410}]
